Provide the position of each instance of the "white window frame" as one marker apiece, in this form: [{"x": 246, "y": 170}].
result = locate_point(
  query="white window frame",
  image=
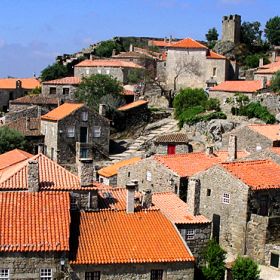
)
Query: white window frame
[
  {"x": 149, "y": 176},
  {"x": 4, "y": 273},
  {"x": 190, "y": 233},
  {"x": 46, "y": 274},
  {"x": 108, "y": 71},
  {"x": 226, "y": 198},
  {"x": 96, "y": 131},
  {"x": 84, "y": 116},
  {"x": 87, "y": 71},
  {"x": 71, "y": 132},
  {"x": 99, "y": 71}
]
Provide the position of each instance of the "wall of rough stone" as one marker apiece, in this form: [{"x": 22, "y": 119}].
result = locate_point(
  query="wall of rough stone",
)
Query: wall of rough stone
[
  {"x": 29, "y": 112},
  {"x": 85, "y": 200},
  {"x": 161, "y": 148},
  {"x": 14, "y": 108},
  {"x": 10, "y": 94},
  {"x": 172, "y": 271},
  {"x": 59, "y": 91},
  {"x": 27, "y": 265},
  {"x": 135, "y": 116},
  {"x": 271, "y": 248},
  {"x": 50, "y": 130},
  {"x": 269, "y": 100},
  {"x": 232, "y": 216},
  {"x": 261, "y": 76},
  {"x": 231, "y": 26}
]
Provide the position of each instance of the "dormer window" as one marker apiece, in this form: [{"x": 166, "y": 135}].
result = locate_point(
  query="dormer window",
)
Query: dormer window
[{"x": 84, "y": 116}]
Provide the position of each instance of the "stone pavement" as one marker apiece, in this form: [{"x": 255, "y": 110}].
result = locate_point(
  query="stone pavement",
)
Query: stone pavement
[{"x": 152, "y": 131}]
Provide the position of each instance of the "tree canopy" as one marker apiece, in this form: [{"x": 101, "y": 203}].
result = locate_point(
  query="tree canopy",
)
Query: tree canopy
[
  {"x": 11, "y": 139},
  {"x": 250, "y": 34},
  {"x": 212, "y": 35},
  {"x": 245, "y": 269},
  {"x": 272, "y": 31},
  {"x": 105, "y": 48},
  {"x": 54, "y": 71},
  {"x": 275, "y": 82}
]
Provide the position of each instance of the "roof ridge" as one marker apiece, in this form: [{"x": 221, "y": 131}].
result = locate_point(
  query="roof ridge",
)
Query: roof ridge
[{"x": 255, "y": 161}]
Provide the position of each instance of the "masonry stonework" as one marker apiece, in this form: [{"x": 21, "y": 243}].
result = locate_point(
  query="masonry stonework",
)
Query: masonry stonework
[
  {"x": 64, "y": 92},
  {"x": 162, "y": 148}
]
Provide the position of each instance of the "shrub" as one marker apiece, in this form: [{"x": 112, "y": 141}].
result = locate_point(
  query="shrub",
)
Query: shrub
[
  {"x": 252, "y": 61},
  {"x": 11, "y": 139},
  {"x": 54, "y": 71},
  {"x": 245, "y": 269},
  {"x": 275, "y": 82},
  {"x": 212, "y": 104}
]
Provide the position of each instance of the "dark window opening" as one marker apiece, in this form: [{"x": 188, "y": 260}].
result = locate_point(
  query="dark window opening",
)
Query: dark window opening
[
  {"x": 157, "y": 274},
  {"x": 52, "y": 90},
  {"x": 92, "y": 275},
  {"x": 274, "y": 260},
  {"x": 128, "y": 174},
  {"x": 65, "y": 91},
  {"x": 208, "y": 192},
  {"x": 264, "y": 205},
  {"x": 83, "y": 134}
]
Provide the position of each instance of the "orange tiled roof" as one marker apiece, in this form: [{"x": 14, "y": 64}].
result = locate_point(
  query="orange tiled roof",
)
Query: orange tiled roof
[
  {"x": 27, "y": 83},
  {"x": 64, "y": 81},
  {"x": 270, "y": 131},
  {"x": 62, "y": 111},
  {"x": 108, "y": 63},
  {"x": 112, "y": 169},
  {"x": 188, "y": 43},
  {"x": 133, "y": 105},
  {"x": 275, "y": 150},
  {"x": 186, "y": 165},
  {"x": 112, "y": 237},
  {"x": 257, "y": 174},
  {"x": 238, "y": 86},
  {"x": 213, "y": 55},
  {"x": 12, "y": 157},
  {"x": 270, "y": 68},
  {"x": 34, "y": 221}
]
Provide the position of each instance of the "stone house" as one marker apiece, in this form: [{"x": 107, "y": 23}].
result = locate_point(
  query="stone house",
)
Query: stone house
[
  {"x": 29, "y": 244},
  {"x": 116, "y": 68},
  {"x": 108, "y": 175},
  {"x": 169, "y": 144},
  {"x": 12, "y": 88},
  {"x": 63, "y": 88},
  {"x": 170, "y": 173},
  {"x": 249, "y": 190},
  {"x": 268, "y": 70},
  {"x": 73, "y": 123},
  {"x": 255, "y": 137}
]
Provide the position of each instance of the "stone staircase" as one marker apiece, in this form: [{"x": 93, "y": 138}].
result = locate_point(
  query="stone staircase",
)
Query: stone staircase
[{"x": 135, "y": 149}]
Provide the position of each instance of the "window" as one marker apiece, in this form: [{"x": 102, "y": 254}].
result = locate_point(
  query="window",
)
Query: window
[
  {"x": 107, "y": 71},
  {"x": 84, "y": 153},
  {"x": 4, "y": 273},
  {"x": 226, "y": 198},
  {"x": 208, "y": 192},
  {"x": 128, "y": 174},
  {"x": 52, "y": 90},
  {"x": 96, "y": 131},
  {"x": 157, "y": 274},
  {"x": 187, "y": 234},
  {"x": 84, "y": 116},
  {"x": 99, "y": 71},
  {"x": 71, "y": 132},
  {"x": 65, "y": 91},
  {"x": 92, "y": 275},
  {"x": 274, "y": 260},
  {"x": 87, "y": 71},
  {"x": 52, "y": 153},
  {"x": 73, "y": 203},
  {"x": 149, "y": 176},
  {"x": 214, "y": 72},
  {"x": 45, "y": 274}
]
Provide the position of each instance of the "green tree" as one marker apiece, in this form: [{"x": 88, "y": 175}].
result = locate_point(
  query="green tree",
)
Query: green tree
[
  {"x": 214, "y": 258},
  {"x": 96, "y": 89},
  {"x": 252, "y": 61},
  {"x": 245, "y": 269},
  {"x": 105, "y": 48},
  {"x": 54, "y": 71},
  {"x": 212, "y": 37},
  {"x": 35, "y": 91},
  {"x": 275, "y": 82},
  {"x": 250, "y": 34},
  {"x": 272, "y": 31},
  {"x": 11, "y": 139},
  {"x": 135, "y": 76}
]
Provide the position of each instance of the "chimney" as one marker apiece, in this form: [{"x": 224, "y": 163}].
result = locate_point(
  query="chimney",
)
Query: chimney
[
  {"x": 263, "y": 82},
  {"x": 130, "y": 191},
  {"x": 193, "y": 196},
  {"x": 209, "y": 150},
  {"x": 232, "y": 148},
  {"x": 102, "y": 110},
  {"x": 85, "y": 172},
  {"x": 147, "y": 198},
  {"x": 261, "y": 62},
  {"x": 170, "y": 38},
  {"x": 33, "y": 176},
  {"x": 131, "y": 48},
  {"x": 114, "y": 52},
  {"x": 274, "y": 56},
  {"x": 39, "y": 111},
  {"x": 91, "y": 56},
  {"x": 165, "y": 39},
  {"x": 40, "y": 148}
]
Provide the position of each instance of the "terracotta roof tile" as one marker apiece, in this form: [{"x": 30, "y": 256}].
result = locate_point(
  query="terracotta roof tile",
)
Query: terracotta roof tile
[
  {"x": 133, "y": 105},
  {"x": 238, "y": 86},
  {"x": 186, "y": 165},
  {"x": 12, "y": 157},
  {"x": 34, "y": 221},
  {"x": 213, "y": 55},
  {"x": 27, "y": 83},
  {"x": 189, "y": 44},
  {"x": 270, "y": 68},
  {"x": 270, "y": 131},
  {"x": 62, "y": 111},
  {"x": 112, "y": 169},
  {"x": 35, "y": 100},
  {"x": 117, "y": 237},
  {"x": 172, "y": 138},
  {"x": 257, "y": 174},
  {"x": 64, "y": 81},
  {"x": 108, "y": 63},
  {"x": 275, "y": 150},
  {"x": 27, "y": 126}
]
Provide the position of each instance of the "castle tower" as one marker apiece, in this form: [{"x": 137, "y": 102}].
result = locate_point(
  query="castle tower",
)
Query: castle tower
[{"x": 231, "y": 28}]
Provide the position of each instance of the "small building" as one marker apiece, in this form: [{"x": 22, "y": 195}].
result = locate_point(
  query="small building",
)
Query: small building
[
  {"x": 73, "y": 123},
  {"x": 242, "y": 199},
  {"x": 63, "y": 88},
  {"x": 169, "y": 144},
  {"x": 116, "y": 68},
  {"x": 30, "y": 245},
  {"x": 108, "y": 175},
  {"x": 12, "y": 88},
  {"x": 268, "y": 70}
]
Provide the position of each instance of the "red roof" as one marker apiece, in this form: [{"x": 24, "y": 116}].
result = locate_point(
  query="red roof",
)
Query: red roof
[
  {"x": 108, "y": 63},
  {"x": 34, "y": 221},
  {"x": 186, "y": 43},
  {"x": 213, "y": 55},
  {"x": 133, "y": 105},
  {"x": 186, "y": 165},
  {"x": 111, "y": 237},
  {"x": 270, "y": 68},
  {"x": 257, "y": 174},
  {"x": 238, "y": 86},
  {"x": 64, "y": 81},
  {"x": 26, "y": 83},
  {"x": 270, "y": 131},
  {"x": 62, "y": 111}
]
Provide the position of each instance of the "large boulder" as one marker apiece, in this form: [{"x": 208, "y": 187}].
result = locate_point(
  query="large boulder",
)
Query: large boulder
[{"x": 216, "y": 128}]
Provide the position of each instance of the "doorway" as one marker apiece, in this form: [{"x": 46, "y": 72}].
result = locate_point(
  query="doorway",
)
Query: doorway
[
  {"x": 171, "y": 149},
  {"x": 83, "y": 134}
]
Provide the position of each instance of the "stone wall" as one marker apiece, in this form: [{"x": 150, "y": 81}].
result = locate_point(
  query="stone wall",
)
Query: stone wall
[
  {"x": 59, "y": 91},
  {"x": 50, "y": 130},
  {"x": 161, "y": 148},
  {"x": 229, "y": 220},
  {"x": 15, "y": 107},
  {"x": 27, "y": 265},
  {"x": 231, "y": 28},
  {"x": 269, "y": 100},
  {"x": 84, "y": 200},
  {"x": 10, "y": 94},
  {"x": 31, "y": 111},
  {"x": 271, "y": 248},
  {"x": 171, "y": 271}
]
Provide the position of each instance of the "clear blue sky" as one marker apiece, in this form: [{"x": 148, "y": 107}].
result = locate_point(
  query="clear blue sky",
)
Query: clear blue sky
[{"x": 34, "y": 32}]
